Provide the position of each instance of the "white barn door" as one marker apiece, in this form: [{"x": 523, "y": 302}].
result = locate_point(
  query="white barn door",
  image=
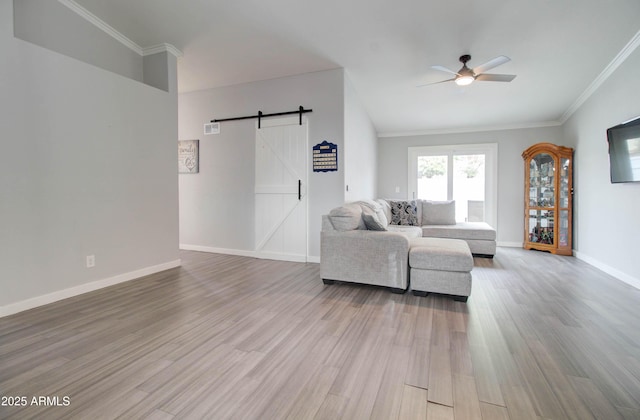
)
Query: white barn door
[{"x": 280, "y": 189}]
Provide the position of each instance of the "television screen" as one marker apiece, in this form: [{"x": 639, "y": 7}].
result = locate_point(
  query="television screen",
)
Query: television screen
[{"x": 624, "y": 151}]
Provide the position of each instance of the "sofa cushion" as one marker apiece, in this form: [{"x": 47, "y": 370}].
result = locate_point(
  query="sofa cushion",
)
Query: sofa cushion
[
  {"x": 386, "y": 208},
  {"x": 372, "y": 222},
  {"x": 438, "y": 212},
  {"x": 347, "y": 217},
  {"x": 374, "y": 208},
  {"x": 404, "y": 213},
  {"x": 408, "y": 231},
  {"x": 419, "y": 211},
  {"x": 372, "y": 204},
  {"x": 463, "y": 230}
]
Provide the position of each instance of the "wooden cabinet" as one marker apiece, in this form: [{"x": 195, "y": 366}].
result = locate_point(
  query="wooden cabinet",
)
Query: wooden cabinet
[{"x": 548, "y": 198}]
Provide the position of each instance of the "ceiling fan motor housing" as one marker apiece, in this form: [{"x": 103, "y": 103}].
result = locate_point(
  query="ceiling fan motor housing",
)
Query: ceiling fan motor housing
[{"x": 465, "y": 71}]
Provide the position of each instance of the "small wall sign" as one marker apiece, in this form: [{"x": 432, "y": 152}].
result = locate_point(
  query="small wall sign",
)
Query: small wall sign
[
  {"x": 188, "y": 156},
  {"x": 325, "y": 157}
]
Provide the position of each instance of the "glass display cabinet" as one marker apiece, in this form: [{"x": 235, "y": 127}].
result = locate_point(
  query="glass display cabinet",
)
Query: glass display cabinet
[{"x": 548, "y": 201}]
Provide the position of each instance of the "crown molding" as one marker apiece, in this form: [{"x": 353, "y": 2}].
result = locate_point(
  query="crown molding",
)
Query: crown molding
[
  {"x": 109, "y": 30},
  {"x": 475, "y": 129},
  {"x": 602, "y": 77},
  {"x": 162, "y": 48},
  {"x": 101, "y": 24}
]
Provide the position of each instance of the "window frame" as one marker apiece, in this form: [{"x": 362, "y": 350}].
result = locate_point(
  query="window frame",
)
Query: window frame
[{"x": 490, "y": 151}]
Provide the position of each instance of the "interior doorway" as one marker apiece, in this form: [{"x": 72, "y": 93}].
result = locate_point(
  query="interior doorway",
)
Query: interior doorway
[{"x": 281, "y": 215}]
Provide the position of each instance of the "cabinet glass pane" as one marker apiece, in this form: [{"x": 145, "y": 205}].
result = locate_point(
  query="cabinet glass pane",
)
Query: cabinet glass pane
[
  {"x": 541, "y": 182},
  {"x": 563, "y": 237},
  {"x": 541, "y": 226},
  {"x": 564, "y": 183}
]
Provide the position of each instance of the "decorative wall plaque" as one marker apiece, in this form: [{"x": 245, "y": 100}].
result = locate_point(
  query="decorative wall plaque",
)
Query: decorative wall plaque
[
  {"x": 325, "y": 157},
  {"x": 188, "y": 156}
]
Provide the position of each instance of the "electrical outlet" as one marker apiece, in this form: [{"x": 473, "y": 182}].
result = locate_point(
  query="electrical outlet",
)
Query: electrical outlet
[
  {"x": 91, "y": 261},
  {"x": 397, "y": 189}
]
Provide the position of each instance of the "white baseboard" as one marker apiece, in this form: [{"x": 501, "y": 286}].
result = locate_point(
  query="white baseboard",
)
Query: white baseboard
[
  {"x": 252, "y": 254},
  {"x": 630, "y": 280},
  {"x": 280, "y": 257},
  {"x": 24, "y": 305},
  {"x": 213, "y": 250}
]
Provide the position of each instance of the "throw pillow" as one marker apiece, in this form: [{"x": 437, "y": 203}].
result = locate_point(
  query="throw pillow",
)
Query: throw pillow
[
  {"x": 386, "y": 209},
  {"x": 404, "y": 213},
  {"x": 347, "y": 217},
  {"x": 372, "y": 222},
  {"x": 439, "y": 212},
  {"x": 371, "y": 205}
]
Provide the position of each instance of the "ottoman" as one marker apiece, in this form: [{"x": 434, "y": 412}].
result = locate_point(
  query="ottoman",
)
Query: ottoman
[{"x": 439, "y": 265}]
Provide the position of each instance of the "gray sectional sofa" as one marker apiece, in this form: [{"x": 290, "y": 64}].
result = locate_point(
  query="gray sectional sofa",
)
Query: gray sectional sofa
[{"x": 370, "y": 241}]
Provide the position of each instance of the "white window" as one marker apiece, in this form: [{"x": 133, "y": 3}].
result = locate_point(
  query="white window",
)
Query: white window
[{"x": 465, "y": 173}]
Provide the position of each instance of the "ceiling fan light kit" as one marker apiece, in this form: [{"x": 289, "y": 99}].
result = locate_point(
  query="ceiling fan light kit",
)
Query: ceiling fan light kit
[
  {"x": 465, "y": 76},
  {"x": 464, "y": 80}
]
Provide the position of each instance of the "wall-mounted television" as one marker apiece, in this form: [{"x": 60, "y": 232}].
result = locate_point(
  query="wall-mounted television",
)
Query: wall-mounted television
[{"x": 624, "y": 151}]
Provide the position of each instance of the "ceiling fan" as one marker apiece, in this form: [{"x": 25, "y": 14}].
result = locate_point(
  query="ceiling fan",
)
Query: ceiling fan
[{"x": 466, "y": 76}]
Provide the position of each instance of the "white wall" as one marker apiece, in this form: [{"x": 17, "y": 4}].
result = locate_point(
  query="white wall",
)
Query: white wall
[
  {"x": 606, "y": 222},
  {"x": 360, "y": 150},
  {"x": 56, "y": 27},
  {"x": 393, "y": 169},
  {"x": 217, "y": 204},
  {"x": 88, "y": 166}
]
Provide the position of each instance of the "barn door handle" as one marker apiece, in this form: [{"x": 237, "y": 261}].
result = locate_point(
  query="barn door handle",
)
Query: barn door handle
[{"x": 299, "y": 190}]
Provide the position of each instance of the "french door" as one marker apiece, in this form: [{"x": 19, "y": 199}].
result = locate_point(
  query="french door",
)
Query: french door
[
  {"x": 281, "y": 189},
  {"x": 464, "y": 173}
]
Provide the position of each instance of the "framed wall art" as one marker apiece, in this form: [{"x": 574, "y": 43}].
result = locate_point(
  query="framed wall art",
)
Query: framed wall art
[{"x": 188, "y": 156}]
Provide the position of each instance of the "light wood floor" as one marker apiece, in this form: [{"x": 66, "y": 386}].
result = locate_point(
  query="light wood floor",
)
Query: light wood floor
[{"x": 542, "y": 336}]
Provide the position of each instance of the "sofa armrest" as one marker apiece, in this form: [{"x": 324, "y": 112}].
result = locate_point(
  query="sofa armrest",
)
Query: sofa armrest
[{"x": 363, "y": 256}]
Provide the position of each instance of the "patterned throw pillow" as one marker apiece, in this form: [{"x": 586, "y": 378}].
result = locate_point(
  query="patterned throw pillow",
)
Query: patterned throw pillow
[{"x": 404, "y": 213}]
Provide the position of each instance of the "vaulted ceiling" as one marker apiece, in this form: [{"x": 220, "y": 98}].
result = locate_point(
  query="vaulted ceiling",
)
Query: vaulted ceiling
[{"x": 558, "y": 50}]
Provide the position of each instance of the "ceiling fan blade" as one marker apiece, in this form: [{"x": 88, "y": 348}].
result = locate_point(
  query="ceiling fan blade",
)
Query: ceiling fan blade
[
  {"x": 435, "y": 83},
  {"x": 495, "y": 77},
  {"x": 501, "y": 59},
  {"x": 444, "y": 69}
]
